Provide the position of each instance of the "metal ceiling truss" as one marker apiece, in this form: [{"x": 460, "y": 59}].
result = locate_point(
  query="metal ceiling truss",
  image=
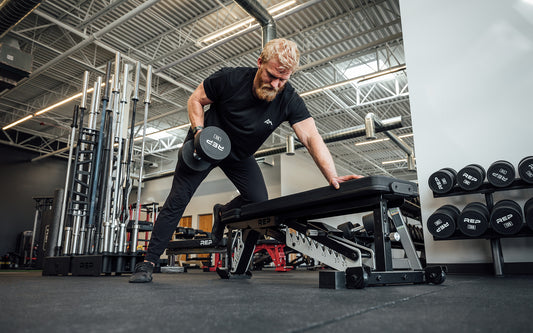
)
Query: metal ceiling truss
[{"x": 69, "y": 37}]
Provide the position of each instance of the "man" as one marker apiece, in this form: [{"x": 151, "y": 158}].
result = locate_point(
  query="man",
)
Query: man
[{"x": 248, "y": 104}]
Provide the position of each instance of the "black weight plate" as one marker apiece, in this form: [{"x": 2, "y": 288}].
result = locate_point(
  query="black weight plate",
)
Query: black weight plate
[
  {"x": 525, "y": 169},
  {"x": 501, "y": 173},
  {"x": 474, "y": 219},
  {"x": 442, "y": 181},
  {"x": 212, "y": 144},
  {"x": 470, "y": 177},
  {"x": 506, "y": 217},
  {"x": 186, "y": 155},
  {"x": 442, "y": 222}
]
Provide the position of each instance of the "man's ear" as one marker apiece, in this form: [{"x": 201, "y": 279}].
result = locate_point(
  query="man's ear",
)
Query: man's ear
[{"x": 259, "y": 62}]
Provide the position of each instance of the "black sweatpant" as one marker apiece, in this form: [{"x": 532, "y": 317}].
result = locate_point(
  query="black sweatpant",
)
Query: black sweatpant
[{"x": 245, "y": 175}]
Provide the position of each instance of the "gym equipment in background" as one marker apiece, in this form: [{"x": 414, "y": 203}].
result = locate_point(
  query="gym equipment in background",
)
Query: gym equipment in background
[
  {"x": 95, "y": 233},
  {"x": 474, "y": 219},
  {"x": 471, "y": 177},
  {"x": 443, "y": 180},
  {"x": 506, "y": 217},
  {"x": 294, "y": 220},
  {"x": 443, "y": 222},
  {"x": 501, "y": 173}
]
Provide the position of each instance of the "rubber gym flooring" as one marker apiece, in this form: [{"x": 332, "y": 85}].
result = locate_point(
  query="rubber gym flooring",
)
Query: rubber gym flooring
[{"x": 271, "y": 301}]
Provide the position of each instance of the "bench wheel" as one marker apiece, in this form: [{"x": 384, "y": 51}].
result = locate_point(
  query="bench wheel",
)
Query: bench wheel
[
  {"x": 356, "y": 278},
  {"x": 435, "y": 275}
]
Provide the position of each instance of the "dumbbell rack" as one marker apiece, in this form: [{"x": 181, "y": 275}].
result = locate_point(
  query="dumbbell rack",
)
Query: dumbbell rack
[{"x": 488, "y": 190}]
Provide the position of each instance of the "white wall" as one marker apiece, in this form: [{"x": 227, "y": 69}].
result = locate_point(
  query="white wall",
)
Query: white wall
[
  {"x": 470, "y": 73},
  {"x": 299, "y": 173}
]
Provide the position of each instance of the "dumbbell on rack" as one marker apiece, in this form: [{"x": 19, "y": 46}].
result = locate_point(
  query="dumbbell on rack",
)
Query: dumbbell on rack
[
  {"x": 474, "y": 219},
  {"x": 210, "y": 146},
  {"x": 528, "y": 212},
  {"x": 443, "y": 222},
  {"x": 525, "y": 169},
  {"x": 471, "y": 177},
  {"x": 443, "y": 180},
  {"x": 501, "y": 173},
  {"x": 506, "y": 217}
]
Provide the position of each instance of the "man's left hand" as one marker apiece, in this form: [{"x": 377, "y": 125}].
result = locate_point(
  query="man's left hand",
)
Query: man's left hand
[{"x": 335, "y": 181}]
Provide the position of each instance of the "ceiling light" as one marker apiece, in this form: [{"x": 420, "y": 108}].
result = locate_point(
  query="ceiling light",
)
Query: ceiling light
[
  {"x": 60, "y": 103},
  {"x": 17, "y": 122},
  {"x": 381, "y": 140},
  {"x": 395, "y": 161},
  {"x": 38, "y": 113}
]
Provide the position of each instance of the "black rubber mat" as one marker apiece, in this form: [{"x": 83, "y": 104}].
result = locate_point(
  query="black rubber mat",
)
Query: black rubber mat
[{"x": 269, "y": 302}]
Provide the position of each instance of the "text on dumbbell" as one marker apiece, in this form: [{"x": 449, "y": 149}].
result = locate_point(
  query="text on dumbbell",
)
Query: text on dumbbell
[{"x": 504, "y": 218}]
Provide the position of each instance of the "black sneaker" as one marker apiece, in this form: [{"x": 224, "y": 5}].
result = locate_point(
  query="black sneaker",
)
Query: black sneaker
[
  {"x": 218, "y": 228},
  {"x": 143, "y": 272}
]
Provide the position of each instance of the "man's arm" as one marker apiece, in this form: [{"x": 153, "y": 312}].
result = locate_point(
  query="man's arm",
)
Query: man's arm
[
  {"x": 195, "y": 106},
  {"x": 308, "y": 135}
]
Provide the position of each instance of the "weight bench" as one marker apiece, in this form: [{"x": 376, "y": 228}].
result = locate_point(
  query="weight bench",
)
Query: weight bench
[
  {"x": 201, "y": 245},
  {"x": 294, "y": 220}
]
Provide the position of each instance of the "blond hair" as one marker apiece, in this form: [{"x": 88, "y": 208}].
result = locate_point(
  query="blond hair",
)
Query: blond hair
[{"x": 283, "y": 50}]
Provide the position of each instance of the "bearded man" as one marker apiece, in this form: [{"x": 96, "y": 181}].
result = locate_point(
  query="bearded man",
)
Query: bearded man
[{"x": 248, "y": 104}]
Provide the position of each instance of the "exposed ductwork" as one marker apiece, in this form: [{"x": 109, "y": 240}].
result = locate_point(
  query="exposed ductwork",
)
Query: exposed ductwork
[
  {"x": 371, "y": 120},
  {"x": 348, "y": 133},
  {"x": 344, "y": 134},
  {"x": 14, "y": 11},
  {"x": 268, "y": 25}
]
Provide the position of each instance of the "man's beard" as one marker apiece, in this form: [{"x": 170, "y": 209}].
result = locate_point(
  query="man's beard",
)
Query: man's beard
[
  {"x": 267, "y": 93},
  {"x": 264, "y": 90}
]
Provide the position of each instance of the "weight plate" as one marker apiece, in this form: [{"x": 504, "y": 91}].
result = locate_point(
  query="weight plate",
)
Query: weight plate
[{"x": 501, "y": 173}]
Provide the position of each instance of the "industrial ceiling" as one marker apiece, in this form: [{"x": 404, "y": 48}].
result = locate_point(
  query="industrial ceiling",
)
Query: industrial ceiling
[{"x": 341, "y": 41}]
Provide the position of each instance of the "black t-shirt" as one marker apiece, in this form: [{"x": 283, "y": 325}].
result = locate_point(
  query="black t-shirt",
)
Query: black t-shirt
[{"x": 248, "y": 120}]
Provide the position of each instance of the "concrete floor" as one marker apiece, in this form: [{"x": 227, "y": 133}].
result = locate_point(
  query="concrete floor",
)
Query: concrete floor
[{"x": 271, "y": 301}]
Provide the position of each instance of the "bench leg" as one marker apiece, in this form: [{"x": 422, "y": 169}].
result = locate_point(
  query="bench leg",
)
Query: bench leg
[{"x": 240, "y": 252}]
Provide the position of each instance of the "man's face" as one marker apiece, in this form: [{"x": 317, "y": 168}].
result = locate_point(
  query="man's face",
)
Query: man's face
[{"x": 269, "y": 80}]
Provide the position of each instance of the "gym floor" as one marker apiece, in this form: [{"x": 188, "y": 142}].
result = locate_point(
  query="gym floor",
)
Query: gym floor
[{"x": 270, "y": 301}]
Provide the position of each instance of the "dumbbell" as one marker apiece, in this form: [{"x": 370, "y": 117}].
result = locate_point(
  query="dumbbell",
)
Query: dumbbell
[
  {"x": 474, "y": 219},
  {"x": 346, "y": 229},
  {"x": 443, "y": 222},
  {"x": 506, "y": 217},
  {"x": 415, "y": 233},
  {"x": 211, "y": 145},
  {"x": 525, "y": 169},
  {"x": 442, "y": 181},
  {"x": 368, "y": 223},
  {"x": 471, "y": 177},
  {"x": 528, "y": 212},
  {"x": 419, "y": 233},
  {"x": 501, "y": 173}
]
